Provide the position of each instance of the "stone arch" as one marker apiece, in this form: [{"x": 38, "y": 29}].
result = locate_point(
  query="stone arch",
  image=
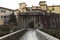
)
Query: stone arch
[{"x": 31, "y": 24}]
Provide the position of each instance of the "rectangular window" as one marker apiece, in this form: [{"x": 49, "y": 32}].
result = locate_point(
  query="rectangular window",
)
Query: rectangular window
[{"x": 3, "y": 11}]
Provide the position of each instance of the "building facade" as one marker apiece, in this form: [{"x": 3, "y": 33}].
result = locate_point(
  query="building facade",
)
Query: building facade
[
  {"x": 22, "y": 7},
  {"x": 30, "y": 19},
  {"x": 42, "y": 6},
  {"x": 4, "y": 13}
]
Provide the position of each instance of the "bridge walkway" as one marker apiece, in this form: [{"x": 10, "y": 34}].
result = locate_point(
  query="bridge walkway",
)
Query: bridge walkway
[{"x": 28, "y": 34}]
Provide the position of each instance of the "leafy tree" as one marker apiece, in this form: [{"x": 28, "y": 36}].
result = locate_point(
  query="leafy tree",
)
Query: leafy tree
[{"x": 13, "y": 19}]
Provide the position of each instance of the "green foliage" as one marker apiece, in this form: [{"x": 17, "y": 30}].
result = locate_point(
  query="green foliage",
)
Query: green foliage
[{"x": 12, "y": 19}]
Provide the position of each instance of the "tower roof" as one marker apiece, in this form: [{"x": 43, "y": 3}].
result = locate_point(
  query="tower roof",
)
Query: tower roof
[
  {"x": 42, "y": 2},
  {"x": 22, "y": 3}
]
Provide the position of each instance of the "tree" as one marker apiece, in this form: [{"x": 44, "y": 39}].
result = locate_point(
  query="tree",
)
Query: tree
[{"x": 12, "y": 19}]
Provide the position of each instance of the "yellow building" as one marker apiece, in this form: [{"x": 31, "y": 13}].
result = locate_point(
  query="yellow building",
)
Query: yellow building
[
  {"x": 35, "y": 7},
  {"x": 54, "y": 9},
  {"x": 49, "y": 9},
  {"x": 16, "y": 12},
  {"x": 42, "y": 6},
  {"x": 22, "y": 7}
]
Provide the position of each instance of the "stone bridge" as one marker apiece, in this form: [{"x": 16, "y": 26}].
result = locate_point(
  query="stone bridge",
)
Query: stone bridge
[
  {"x": 28, "y": 34},
  {"x": 30, "y": 19},
  {"x": 28, "y": 27}
]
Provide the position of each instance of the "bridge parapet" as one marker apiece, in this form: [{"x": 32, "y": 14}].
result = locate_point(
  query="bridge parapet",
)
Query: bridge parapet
[
  {"x": 14, "y": 36},
  {"x": 44, "y": 36}
]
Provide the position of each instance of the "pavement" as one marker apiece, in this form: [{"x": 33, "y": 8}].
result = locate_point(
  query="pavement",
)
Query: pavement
[
  {"x": 33, "y": 34},
  {"x": 30, "y": 35}
]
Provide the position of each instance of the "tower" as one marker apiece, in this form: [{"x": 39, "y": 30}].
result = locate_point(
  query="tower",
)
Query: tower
[
  {"x": 22, "y": 7},
  {"x": 43, "y": 5}
]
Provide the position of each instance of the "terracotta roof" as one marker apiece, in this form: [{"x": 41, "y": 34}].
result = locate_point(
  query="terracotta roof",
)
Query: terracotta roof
[
  {"x": 6, "y": 8},
  {"x": 16, "y": 10},
  {"x": 35, "y": 6},
  {"x": 38, "y": 10},
  {"x": 42, "y": 2},
  {"x": 54, "y": 6},
  {"x": 43, "y": 5}
]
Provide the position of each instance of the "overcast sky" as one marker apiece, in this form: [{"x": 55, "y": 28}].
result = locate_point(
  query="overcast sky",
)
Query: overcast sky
[{"x": 14, "y": 4}]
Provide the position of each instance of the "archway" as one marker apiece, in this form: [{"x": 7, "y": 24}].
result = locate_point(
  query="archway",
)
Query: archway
[{"x": 31, "y": 24}]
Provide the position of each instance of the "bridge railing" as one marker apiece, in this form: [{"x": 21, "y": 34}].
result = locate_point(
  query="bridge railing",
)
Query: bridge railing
[
  {"x": 14, "y": 36},
  {"x": 45, "y": 36}
]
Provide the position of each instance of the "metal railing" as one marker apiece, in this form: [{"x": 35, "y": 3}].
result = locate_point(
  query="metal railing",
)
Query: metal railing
[
  {"x": 45, "y": 36},
  {"x": 14, "y": 36}
]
